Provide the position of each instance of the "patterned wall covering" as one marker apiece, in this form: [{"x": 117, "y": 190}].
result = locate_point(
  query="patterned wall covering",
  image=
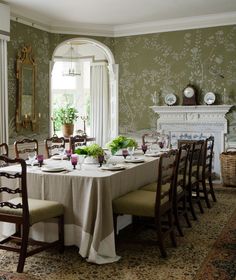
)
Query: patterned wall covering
[
  {"x": 164, "y": 63},
  {"x": 43, "y": 45}
]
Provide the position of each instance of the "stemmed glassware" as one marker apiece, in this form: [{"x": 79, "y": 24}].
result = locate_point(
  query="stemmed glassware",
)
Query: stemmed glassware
[
  {"x": 125, "y": 153},
  {"x": 68, "y": 154},
  {"x": 31, "y": 158},
  {"x": 61, "y": 152},
  {"x": 74, "y": 160},
  {"x": 131, "y": 152},
  {"x": 40, "y": 160},
  {"x": 144, "y": 148},
  {"x": 100, "y": 160}
]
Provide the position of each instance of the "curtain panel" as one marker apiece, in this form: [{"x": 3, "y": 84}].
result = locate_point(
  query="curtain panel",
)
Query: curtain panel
[
  {"x": 3, "y": 92},
  {"x": 100, "y": 103}
]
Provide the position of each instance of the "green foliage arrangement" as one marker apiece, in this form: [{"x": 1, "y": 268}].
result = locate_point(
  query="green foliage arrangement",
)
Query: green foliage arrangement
[
  {"x": 121, "y": 142},
  {"x": 93, "y": 150},
  {"x": 65, "y": 115}
]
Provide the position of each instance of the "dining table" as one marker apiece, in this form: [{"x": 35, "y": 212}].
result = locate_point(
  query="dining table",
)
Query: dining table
[{"x": 87, "y": 193}]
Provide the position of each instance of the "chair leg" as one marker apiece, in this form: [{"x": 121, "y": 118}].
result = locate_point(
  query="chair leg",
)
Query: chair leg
[
  {"x": 198, "y": 199},
  {"x": 177, "y": 223},
  {"x": 204, "y": 190},
  {"x": 190, "y": 202},
  {"x": 23, "y": 250},
  {"x": 211, "y": 189},
  {"x": 160, "y": 239},
  {"x": 185, "y": 211},
  {"x": 61, "y": 233},
  {"x": 171, "y": 226}
]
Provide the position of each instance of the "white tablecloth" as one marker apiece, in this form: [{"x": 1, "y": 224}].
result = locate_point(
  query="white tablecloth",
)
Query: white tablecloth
[{"x": 87, "y": 197}]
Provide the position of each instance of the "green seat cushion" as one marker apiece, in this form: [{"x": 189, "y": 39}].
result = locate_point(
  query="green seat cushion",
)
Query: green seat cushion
[
  {"x": 39, "y": 210},
  {"x": 150, "y": 187},
  {"x": 137, "y": 203}
]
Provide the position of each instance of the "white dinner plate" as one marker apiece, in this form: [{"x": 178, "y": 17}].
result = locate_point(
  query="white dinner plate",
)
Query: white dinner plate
[
  {"x": 35, "y": 162},
  {"x": 58, "y": 157},
  {"x": 52, "y": 168},
  {"x": 134, "y": 160},
  {"x": 113, "y": 167},
  {"x": 153, "y": 154}
]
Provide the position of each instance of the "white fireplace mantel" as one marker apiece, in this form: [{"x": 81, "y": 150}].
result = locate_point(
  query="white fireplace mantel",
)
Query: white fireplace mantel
[{"x": 195, "y": 122}]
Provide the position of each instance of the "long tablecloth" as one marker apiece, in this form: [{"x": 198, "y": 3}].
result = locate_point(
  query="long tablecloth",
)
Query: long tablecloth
[{"x": 87, "y": 196}]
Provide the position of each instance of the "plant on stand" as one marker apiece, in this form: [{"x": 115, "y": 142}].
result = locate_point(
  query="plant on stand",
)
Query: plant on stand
[{"x": 65, "y": 116}]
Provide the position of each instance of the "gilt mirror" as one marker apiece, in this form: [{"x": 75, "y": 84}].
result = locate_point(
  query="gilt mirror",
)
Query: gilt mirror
[{"x": 26, "y": 76}]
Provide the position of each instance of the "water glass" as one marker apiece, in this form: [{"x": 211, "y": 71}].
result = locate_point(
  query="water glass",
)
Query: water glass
[
  {"x": 61, "y": 152},
  {"x": 31, "y": 158},
  {"x": 131, "y": 152}
]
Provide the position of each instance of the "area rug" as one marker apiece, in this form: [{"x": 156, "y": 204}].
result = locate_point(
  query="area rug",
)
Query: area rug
[{"x": 207, "y": 251}]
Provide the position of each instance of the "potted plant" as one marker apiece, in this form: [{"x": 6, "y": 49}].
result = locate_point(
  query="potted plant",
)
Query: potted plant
[
  {"x": 65, "y": 116},
  {"x": 121, "y": 142},
  {"x": 91, "y": 153}
]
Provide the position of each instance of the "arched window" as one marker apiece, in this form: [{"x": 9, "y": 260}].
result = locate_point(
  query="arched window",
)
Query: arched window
[{"x": 84, "y": 76}]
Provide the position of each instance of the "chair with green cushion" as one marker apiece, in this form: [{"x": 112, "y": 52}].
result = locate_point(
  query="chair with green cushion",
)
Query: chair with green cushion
[
  {"x": 24, "y": 212},
  {"x": 205, "y": 172},
  {"x": 180, "y": 192},
  {"x": 52, "y": 145},
  {"x": 180, "y": 188},
  {"x": 192, "y": 177},
  {"x": 157, "y": 205},
  {"x": 25, "y": 146}
]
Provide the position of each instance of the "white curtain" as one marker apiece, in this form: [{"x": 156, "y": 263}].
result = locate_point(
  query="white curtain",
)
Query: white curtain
[
  {"x": 3, "y": 92},
  {"x": 100, "y": 103}
]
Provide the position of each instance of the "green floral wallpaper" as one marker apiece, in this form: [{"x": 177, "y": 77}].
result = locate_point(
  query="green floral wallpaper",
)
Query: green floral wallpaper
[
  {"x": 166, "y": 63},
  {"x": 161, "y": 63}
]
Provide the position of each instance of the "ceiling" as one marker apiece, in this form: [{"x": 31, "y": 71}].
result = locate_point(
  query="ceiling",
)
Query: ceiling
[{"x": 122, "y": 17}]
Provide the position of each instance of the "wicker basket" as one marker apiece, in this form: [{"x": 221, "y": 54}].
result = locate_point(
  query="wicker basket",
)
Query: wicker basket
[{"x": 228, "y": 167}]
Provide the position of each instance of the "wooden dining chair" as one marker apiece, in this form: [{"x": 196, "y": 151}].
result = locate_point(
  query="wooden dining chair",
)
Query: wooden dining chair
[
  {"x": 4, "y": 150},
  {"x": 180, "y": 188},
  {"x": 52, "y": 145},
  {"x": 155, "y": 205},
  {"x": 24, "y": 212},
  {"x": 192, "y": 177},
  {"x": 205, "y": 172},
  {"x": 77, "y": 141},
  {"x": 180, "y": 191},
  {"x": 25, "y": 146},
  {"x": 155, "y": 138}
]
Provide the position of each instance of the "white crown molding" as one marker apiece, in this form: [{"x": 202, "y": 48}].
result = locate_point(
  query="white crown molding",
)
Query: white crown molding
[
  {"x": 133, "y": 29},
  {"x": 176, "y": 24}
]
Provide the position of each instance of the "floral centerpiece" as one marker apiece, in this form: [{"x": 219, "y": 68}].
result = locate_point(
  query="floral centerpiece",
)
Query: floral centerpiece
[
  {"x": 91, "y": 153},
  {"x": 121, "y": 142}
]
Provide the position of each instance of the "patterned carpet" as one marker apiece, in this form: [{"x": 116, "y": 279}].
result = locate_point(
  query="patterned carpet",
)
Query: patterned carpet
[{"x": 207, "y": 251}]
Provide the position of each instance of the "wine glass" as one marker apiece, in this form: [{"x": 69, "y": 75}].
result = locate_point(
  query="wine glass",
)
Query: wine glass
[
  {"x": 61, "y": 152},
  {"x": 40, "y": 160},
  {"x": 68, "y": 154},
  {"x": 131, "y": 152},
  {"x": 74, "y": 160},
  {"x": 144, "y": 148},
  {"x": 100, "y": 160},
  {"x": 125, "y": 153},
  {"x": 31, "y": 158}
]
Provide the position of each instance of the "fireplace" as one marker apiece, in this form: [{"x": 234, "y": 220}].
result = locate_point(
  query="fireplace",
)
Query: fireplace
[{"x": 195, "y": 122}]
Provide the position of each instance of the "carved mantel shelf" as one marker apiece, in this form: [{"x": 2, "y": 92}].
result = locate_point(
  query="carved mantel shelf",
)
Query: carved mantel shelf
[{"x": 195, "y": 122}]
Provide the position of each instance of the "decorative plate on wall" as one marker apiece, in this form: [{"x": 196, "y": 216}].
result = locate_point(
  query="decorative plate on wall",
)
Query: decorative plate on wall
[
  {"x": 209, "y": 98},
  {"x": 170, "y": 99}
]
